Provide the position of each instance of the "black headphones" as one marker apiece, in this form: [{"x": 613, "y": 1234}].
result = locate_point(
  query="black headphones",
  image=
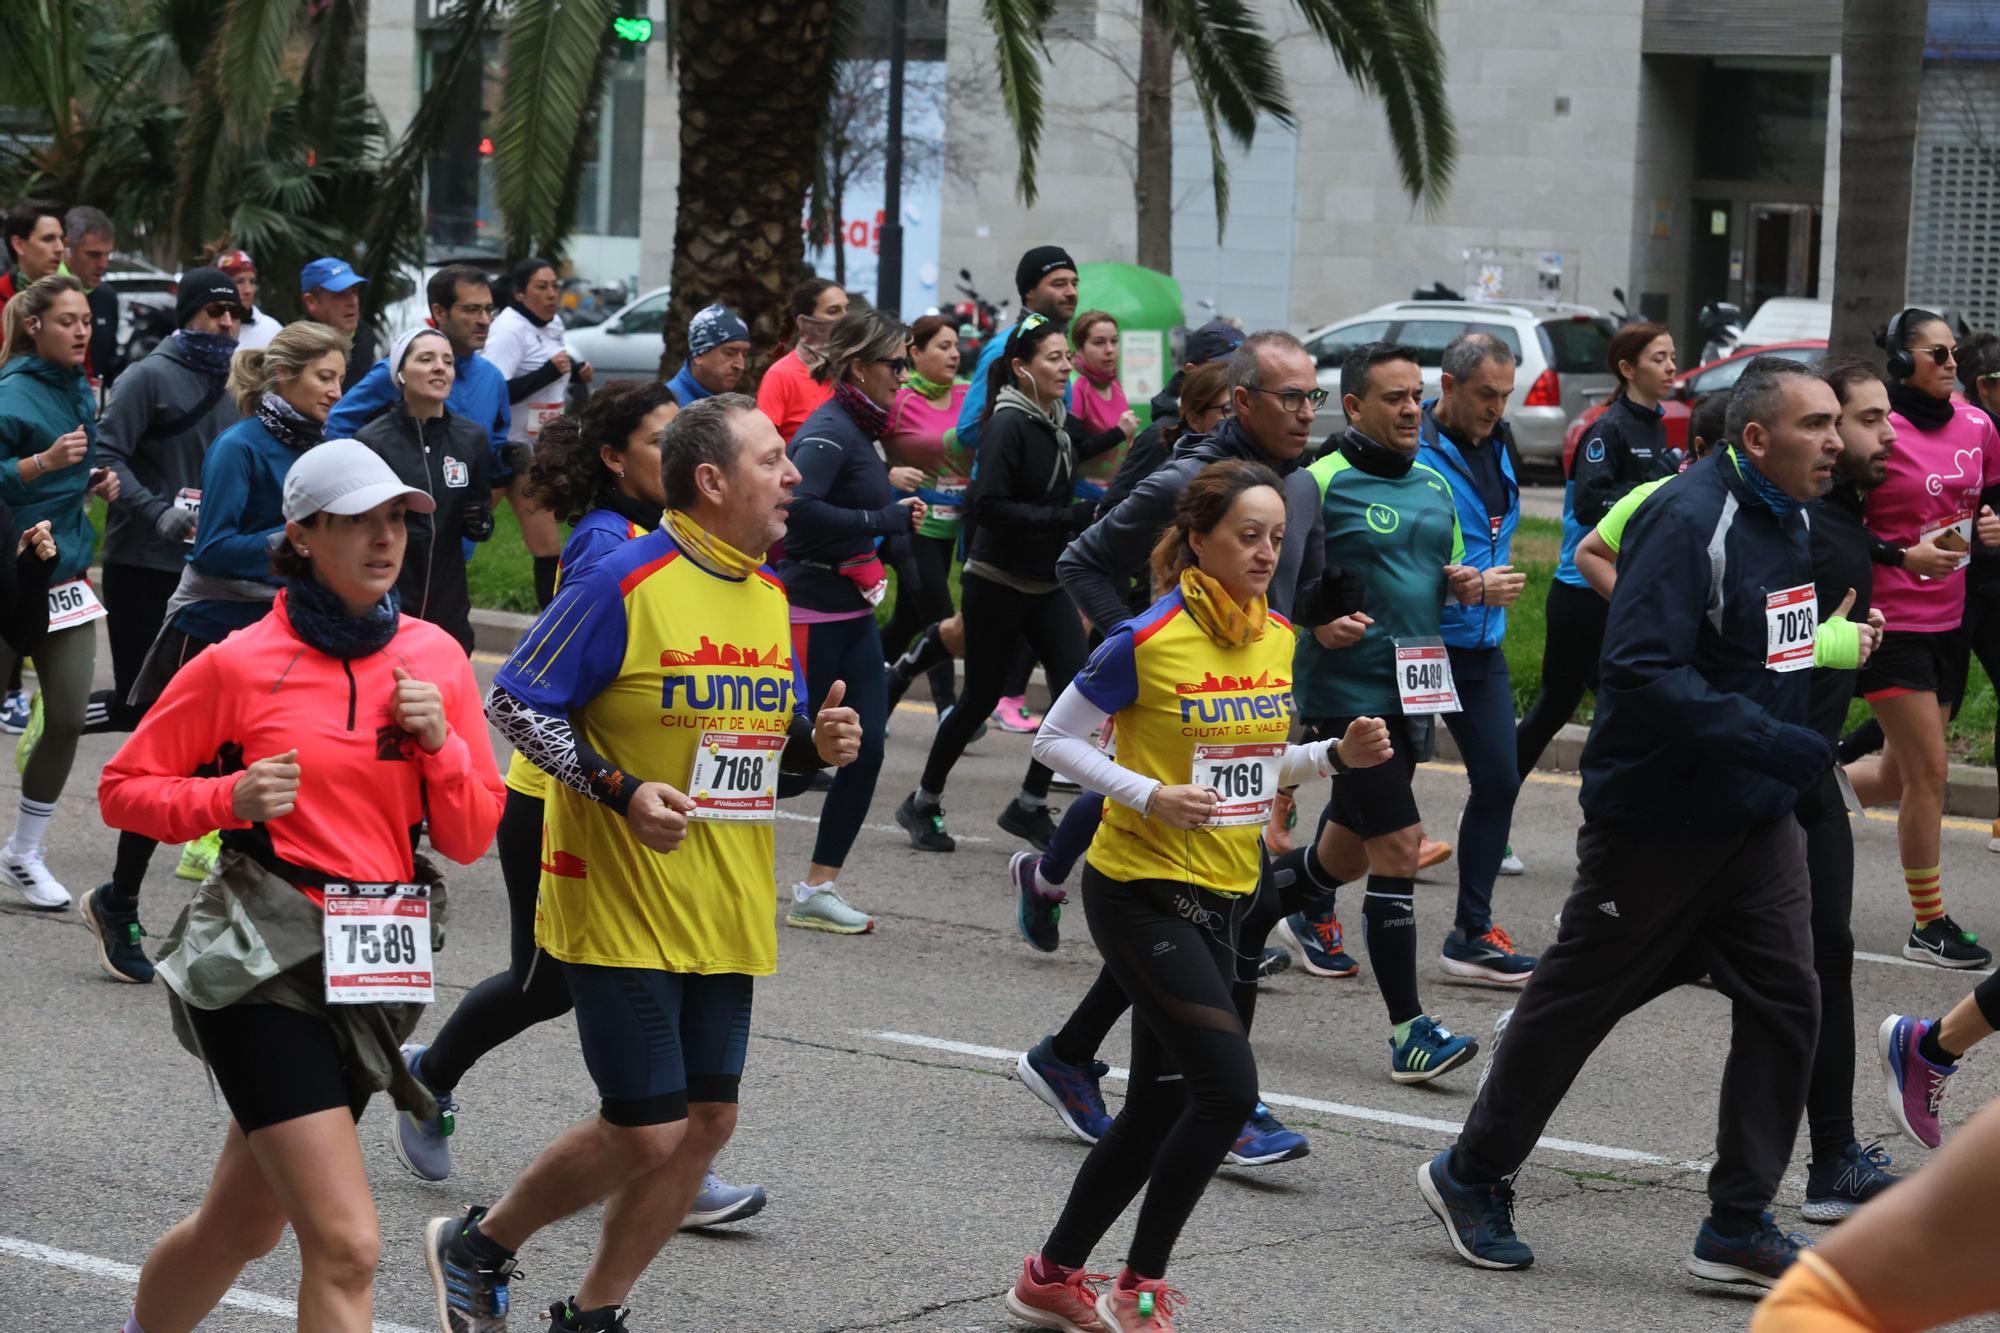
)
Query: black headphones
[{"x": 1902, "y": 365}]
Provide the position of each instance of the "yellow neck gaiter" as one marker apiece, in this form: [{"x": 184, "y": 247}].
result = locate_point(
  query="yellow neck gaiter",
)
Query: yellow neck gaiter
[
  {"x": 709, "y": 550},
  {"x": 1210, "y": 604}
]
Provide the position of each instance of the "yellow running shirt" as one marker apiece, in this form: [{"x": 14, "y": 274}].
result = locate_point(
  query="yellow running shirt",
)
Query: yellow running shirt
[
  {"x": 1187, "y": 707},
  {"x": 645, "y": 651}
]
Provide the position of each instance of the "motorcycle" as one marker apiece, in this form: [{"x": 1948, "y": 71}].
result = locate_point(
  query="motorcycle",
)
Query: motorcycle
[
  {"x": 978, "y": 318},
  {"x": 1721, "y": 325}
]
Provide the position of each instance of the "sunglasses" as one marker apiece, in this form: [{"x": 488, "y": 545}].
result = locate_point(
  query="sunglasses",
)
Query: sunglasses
[
  {"x": 217, "y": 309},
  {"x": 902, "y": 365},
  {"x": 1940, "y": 354}
]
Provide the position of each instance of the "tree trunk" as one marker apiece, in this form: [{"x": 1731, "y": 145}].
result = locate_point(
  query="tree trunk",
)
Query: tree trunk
[
  {"x": 837, "y": 227},
  {"x": 753, "y": 83},
  {"x": 1153, "y": 181},
  {"x": 1881, "y": 74}
]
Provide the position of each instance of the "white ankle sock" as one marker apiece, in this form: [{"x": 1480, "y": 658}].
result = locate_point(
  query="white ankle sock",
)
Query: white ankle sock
[
  {"x": 1045, "y": 886},
  {"x": 802, "y": 890},
  {"x": 30, "y": 824}
]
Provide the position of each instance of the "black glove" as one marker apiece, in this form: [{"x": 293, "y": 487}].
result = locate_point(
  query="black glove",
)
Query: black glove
[
  {"x": 1080, "y": 518},
  {"x": 1795, "y": 756},
  {"x": 1342, "y": 592}
]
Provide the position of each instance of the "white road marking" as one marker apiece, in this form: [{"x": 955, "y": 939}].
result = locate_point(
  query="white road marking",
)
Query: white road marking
[
  {"x": 129, "y": 1275},
  {"x": 1928, "y": 967},
  {"x": 1602, "y": 1152}
]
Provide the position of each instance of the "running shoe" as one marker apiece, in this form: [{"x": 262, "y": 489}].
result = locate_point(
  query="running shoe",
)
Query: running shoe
[
  {"x": 1069, "y": 1306},
  {"x": 1993, "y": 838},
  {"x": 29, "y": 877},
  {"x": 1478, "y": 1218},
  {"x": 925, "y": 827},
  {"x": 1036, "y": 915},
  {"x": 1013, "y": 714},
  {"x": 1490, "y": 958},
  {"x": 1147, "y": 1306},
  {"x": 1319, "y": 942},
  {"x": 720, "y": 1203},
  {"x": 1431, "y": 853},
  {"x": 1836, "y": 1188},
  {"x": 31, "y": 735},
  {"x": 14, "y": 711},
  {"x": 1944, "y": 943},
  {"x": 1915, "y": 1085},
  {"x": 1265, "y": 1140},
  {"x": 1036, "y": 827},
  {"x": 1431, "y": 1049},
  {"x": 424, "y": 1146},
  {"x": 117, "y": 935},
  {"x": 1511, "y": 864},
  {"x": 1278, "y": 828},
  {"x": 825, "y": 909},
  {"x": 1758, "y": 1259},
  {"x": 471, "y": 1295},
  {"x": 1071, "y": 1091},
  {"x": 1274, "y": 961},
  {"x": 564, "y": 1317},
  {"x": 198, "y": 857}
]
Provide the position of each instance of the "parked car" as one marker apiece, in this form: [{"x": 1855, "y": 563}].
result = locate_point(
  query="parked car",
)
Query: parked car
[
  {"x": 143, "y": 290},
  {"x": 626, "y": 346},
  {"x": 1788, "y": 319},
  {"x": 410, "y": 305},
  {"x": 1691, "y": 386},
  {"x": 1560, "y": 348}
]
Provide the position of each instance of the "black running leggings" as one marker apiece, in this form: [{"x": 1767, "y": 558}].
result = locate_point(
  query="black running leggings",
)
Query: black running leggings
[
  {"x": 532, "y": 990},
  {"x": 998, "y": 620},
  {"x": 1194, "y": 1080},
  {"x": 923, "y": 597},
  {"x": 1570, "y": 648},
  {"x": 1830, "y": 864}
]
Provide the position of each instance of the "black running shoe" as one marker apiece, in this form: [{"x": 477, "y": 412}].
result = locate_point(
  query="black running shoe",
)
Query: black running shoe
[
  {"x": 564, "y": 1316},
  {"x": 471, "y": 1294},
  {"x": 1943, "y": 943},
  {"x": 1036, "y": 914},
  {"x": 1037, "y": 827},
  {"x": 117, "y": 935},
  {"x": 925, "y": 827},
  {"x": 1274, "y": 961}
]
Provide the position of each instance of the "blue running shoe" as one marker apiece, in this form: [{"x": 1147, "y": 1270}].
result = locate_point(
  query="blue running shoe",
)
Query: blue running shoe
[
  {"x": 721, "y": 1202},
  {"x": 424, "y": 1146},
  {"x": 1837, "y": 1187},
  {"x": 471, "y": 1294},
  {"x": 1431, "y": 1049},
  {"x": 1069, "y": 1090},
  {"x": 1319, "y": 941},
  {"x": 1036, "y": 915},
  {"x": 1478, "y": 1218},
  {"x": 1489, "y": 957},
  {"x": 1758, "y": 1259},
  {"x": 1264, "y": 1140}
]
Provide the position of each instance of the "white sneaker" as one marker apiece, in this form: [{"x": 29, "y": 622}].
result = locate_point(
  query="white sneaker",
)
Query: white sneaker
[
  {"x": 31, "y": 879},
  {"x": 1511, "y": 864}
]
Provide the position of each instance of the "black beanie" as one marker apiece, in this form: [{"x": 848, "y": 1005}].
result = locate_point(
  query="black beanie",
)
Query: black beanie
[
  {"x": 199, "y": 287},
  {"x": 1037, "y": 264}
]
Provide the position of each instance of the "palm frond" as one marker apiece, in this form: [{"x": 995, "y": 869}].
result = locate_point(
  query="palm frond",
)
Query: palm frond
[
  {"x": 551, "y": 54},
  {"x": 250, "y": 52},
  {"x": 555, "y": 243},
  {"x": 1390, "y": 49},
  {"x": 1235, "y": 70},
  {"x": 199, "y": 155},
  {"x": 329, "y": 67},
  {"x": 1019, "y": 53}
]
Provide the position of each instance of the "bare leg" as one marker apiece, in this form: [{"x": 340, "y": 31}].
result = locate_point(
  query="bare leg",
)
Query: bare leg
[
  {"x": 586, "y": 1163},
  {"x": 318, "y": 1177},
  {"x": 642, "y": 1216},
  {"x": 202, "y": 1255},
  {"x": 951, "y": 633}
]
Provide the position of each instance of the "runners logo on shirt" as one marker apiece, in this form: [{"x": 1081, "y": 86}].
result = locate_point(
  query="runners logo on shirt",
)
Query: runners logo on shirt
[
  {"x": 1383, "y": 519},
  {"x": 1261, "y": 698},
  {"x": 729, "y": 692}
]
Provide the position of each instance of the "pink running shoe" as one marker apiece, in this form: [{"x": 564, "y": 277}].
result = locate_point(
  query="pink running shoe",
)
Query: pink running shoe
[
  {"x": 1915, "y": 1085},
  {"x": 1013, "y": 714},
  {"x": 1148, "y": 1306},
  {"x": 1069, "y": 1306}
]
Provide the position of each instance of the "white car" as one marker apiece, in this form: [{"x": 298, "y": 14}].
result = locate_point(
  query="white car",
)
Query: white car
[
  {"x": 1561, "y": 350},
  {"x": 1788, "y": 319},
  {"x": 628, "y": 346}
]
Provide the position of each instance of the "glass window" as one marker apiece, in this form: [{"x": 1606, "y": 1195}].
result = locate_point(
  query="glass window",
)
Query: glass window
[
  {"x": 1331, "y": 348},
  {"x": 1577, "y": 346},
  {"x": 1430, "y": 337},
  {"x": 648, "y": 316},
  {"x": 1725, "y": 375}
]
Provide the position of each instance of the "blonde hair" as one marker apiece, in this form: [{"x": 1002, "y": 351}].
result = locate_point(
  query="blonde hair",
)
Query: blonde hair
[
  {"x": 256, "y": 371},
  {"x": 31, "y": 302}
]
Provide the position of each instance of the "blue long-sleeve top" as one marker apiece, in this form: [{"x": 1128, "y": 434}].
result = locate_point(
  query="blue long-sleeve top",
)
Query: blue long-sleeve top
[{"x": 242, "y": 493}]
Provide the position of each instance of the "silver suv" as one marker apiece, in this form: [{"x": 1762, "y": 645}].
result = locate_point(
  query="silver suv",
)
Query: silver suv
[{"x": 1561, "y": 350}]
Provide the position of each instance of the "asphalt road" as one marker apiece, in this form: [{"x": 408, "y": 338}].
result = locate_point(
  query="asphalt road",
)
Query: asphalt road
[{"x": 908, "y": 1172}]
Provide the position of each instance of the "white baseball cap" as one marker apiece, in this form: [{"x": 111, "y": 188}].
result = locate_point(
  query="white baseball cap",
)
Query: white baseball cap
[{"x": 345, "y": 477}]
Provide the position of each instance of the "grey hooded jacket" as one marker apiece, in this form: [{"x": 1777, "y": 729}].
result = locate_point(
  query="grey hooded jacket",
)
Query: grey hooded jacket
[{"x": 151, "y": 436}]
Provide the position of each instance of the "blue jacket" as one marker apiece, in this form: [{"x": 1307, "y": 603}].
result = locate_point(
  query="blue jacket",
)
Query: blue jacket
[
  {"x": 974, "y": 405},
  {"x": 242, "y": 494},
  {"x": 479, "y": 394},
  {"x": 1694, "y": 734},
  {"x": 38, "y": 402},
  {"x": 686, "y": 388},
  {"x": 1485, "y": 545}
]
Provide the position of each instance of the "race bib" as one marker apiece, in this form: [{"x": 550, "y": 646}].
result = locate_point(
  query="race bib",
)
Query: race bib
[
  {"x": 540, "y": 415},
  {"x": 72, "y": 604},
  {"x": 736, "y": 775},
  {"x": 1952, "y": 534},
  {"x": 1244, "y": 778},
  {"x": 1791, "y": 619},
  {"x": 188, "y": 501},
  {"x": 456, "y": 474},
  {"x": 378, "y": 944},
  {"x": 1423, "y": 677}
]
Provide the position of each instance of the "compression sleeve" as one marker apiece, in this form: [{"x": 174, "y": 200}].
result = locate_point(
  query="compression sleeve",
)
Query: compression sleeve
[
  {"x": 551, "y": 744},
  {"x": 1063, "y": 743}
]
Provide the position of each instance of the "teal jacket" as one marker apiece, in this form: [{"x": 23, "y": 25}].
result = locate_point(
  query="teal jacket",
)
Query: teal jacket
[{"x": 38, "y": 402}]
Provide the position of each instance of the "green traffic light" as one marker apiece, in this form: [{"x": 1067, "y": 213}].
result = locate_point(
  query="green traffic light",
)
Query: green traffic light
[{"x": 632, "y": 30}]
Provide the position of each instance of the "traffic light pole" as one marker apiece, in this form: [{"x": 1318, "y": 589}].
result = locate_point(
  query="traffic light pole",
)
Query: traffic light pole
[{"x": 889, "y": 259}]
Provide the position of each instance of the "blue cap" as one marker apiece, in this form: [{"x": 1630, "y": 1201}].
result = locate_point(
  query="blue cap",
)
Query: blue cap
[{"x": 331, "y": 275}]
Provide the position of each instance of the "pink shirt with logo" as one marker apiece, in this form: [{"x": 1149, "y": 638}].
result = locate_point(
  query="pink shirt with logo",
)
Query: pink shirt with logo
[{"x": 1934, "y": 482}]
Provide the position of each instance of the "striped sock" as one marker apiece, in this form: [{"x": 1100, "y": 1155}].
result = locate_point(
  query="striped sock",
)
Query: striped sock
[{"x": 1926, "y": 894}]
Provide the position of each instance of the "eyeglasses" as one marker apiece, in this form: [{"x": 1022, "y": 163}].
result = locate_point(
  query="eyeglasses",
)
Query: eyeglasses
[
  {"x": 477, "y": 310},
  {"x": 1942, "y": 355},
  {"x": 1293, "y": 399}
]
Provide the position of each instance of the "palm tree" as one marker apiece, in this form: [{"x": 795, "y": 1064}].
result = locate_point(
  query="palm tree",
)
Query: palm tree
[{"x": 1882, "y": 64}]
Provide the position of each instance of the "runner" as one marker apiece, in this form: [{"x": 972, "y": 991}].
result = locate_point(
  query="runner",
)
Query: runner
[
  {"x": 1170, "y": 873},
  {"x": 718, "y": 350},
  {"x": 1464, "y": 437},
  {"x": 298, "y": 1037},
  {"x": 1391, "y": 520},
  {"x": 1596, "y": 555},
  {"x": 1211, "y": 344},
  {"x": 845, "y": 524},
  {"x": 88, "y": 240},
  {"x": 1096, "y": 398},
  {"x": 48, "y": 472},
  {"x": 34, "y": 234},
  {"x": 526, "y": 346},
  {"x": 789, "y": 393},
  {"x": 656, "y": 890},
  {"x": 1700, "y": 752},
  {"x": 258, "y": 328},
  {"x": 327, "y": 289}
]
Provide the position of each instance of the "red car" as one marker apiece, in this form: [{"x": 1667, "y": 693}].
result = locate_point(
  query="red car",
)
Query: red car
[{"x": 1691, "y": 386}]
